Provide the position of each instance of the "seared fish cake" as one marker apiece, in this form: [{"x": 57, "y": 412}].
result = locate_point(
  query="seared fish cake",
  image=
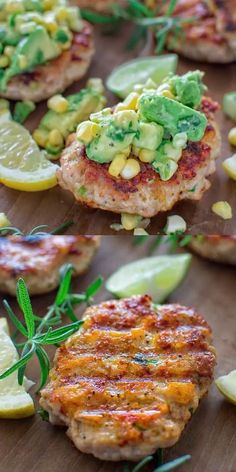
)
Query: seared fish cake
[
  {"x": 211, "y": 36},
  {"x": 216, "y": 248},
  {"x": 43, "y": 43},
  {"x": 38, "y": 260},
  {"x": 127, "y": 383},
  {"x": 146, "y": 193}
]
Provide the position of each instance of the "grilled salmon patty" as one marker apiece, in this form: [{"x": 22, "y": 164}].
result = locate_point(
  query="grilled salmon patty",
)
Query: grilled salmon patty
[
  {"x": 127, "y": 383},
  {"x": 211, "y": 34},
  {"x": 38, "y": 260},
  {"x": 55, "y": 76},
  {"x": 146, "y": 194},
  {"x": 216, "y": 248}
]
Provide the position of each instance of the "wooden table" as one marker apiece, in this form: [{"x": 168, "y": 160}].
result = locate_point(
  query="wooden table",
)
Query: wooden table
[
  {"x": 52, "y": 207},
  {"x": 36, "y": 446}
]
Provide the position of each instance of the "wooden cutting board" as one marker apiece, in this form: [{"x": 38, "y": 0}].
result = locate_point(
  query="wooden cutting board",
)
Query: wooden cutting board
[
  {"x": 210, "y": 437},
  {"x": 55, "y": 206}
]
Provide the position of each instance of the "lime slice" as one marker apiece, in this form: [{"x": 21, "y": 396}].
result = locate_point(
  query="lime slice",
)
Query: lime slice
[
  {"x": 156, "y": 276},
  {"x": 14, "y": 401},
  {"x": 122, "y": 80},
  {"x": 227, "y": 386},
  {"x": 22, "y": 165}
]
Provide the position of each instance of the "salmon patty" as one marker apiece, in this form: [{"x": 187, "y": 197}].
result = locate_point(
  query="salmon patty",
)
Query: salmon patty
[
  {"x": 210, "y": 36},
  {"x": 216, "y": 248},
  {"x": 146, "y": 194},
  {"x": 55, "y": 76},
  {"x": 38, "y": 260},
  {"x": 127, "y": 383}
]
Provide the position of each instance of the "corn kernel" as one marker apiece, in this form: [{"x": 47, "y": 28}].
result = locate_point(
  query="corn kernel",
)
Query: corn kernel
[
  {"x": 180, "y": 140},
  {"x": 9, "y": 50},
  {"x": 232, "y": 137},
  {"x": 62, "y": 14},
  {"x": 96, "y": 84},
  {"x": 48, "y": 4},
  {"x": 41, "y": 137},
  {"x": 131, "y": 169},
  {"x": 229, "y": 166},
  {"x": 86, "y": 131},
  {"x": 130, "y": 222},
  {"x": 127, "y": 151},
  {"x": 140, "y": 232},
  {"x": 117, "y": 165},
  {"x": 136, "y": 150},
  {"x": 222, "y": 209},
  {"x": 130, "y": 103},
  {"x": 55, "y": 138},
  {"x": 51, "y": 26},
  {"x": 172, "y": 152},
  {"x": 4, "y": 62},
  {"x": 4, "y": 221},
  {"x": 150, "y": 84},
  {"x": 175, "y": 223},
  {"x": 168, "y": 94},
  {"x": 22, "y": 61},
  {"x": 147, "y": 156},
  {"x": 14, "y": 7},
  {"x": 58, "y": 103}
]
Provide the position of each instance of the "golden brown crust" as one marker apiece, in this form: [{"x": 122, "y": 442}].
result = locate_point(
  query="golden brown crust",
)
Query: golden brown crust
[
  {"x": 56, "y": 75},
  {"x": 146, "y": 194},
  {"x": 216, "y": 248},
  {"x": 38, "y": 259},
  {"x": 126, "y": 382}
]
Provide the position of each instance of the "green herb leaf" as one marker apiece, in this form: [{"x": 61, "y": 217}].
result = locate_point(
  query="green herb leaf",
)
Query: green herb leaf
[
  {"x": 14, "y": 319},
  {"x": 173, "y": 464},
  {"x": 44, "y": 363},
  {"x": 93, "y": 288},
  {"x": 25, "y": 304},
  {"x": 142, "y": 463},
  {"x": 65, "y": 275}
]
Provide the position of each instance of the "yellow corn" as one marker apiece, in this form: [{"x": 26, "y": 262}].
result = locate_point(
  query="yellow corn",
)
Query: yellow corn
[
  {"x": 4, "y": 62},
  {"x": 41, "y": 137},
  {"x": 232, "y": 137},
  {"x": 130, "y": 103},
  {"x": 131, "y": 169},
  {"x": 127, "y": 151},
  {"x": 140, "y": 232},
  {"x": 172, "y": 152},
  {"x": 147, "y": 156},
  {"x": 13, "y": 7},
  {"x": 136, "y": 150},
  {"x": 117, "y": 165},
  {"x": 130, "y": 222},
  {"x": 58, "y": 103},
  {"x": 229, "y": 166},
  {"x": 55, "y": 138},
  {"x": 167, "y": 93},
  {"x": 62, "y": 14},
  {"x": 4, "y": 221},
  {"x": 48, "y": 4},
  {"x": 22, "y": 61},
  {"x": 86, "y": 131},
  {"x": 9, "y": 50},
  {"x": 51, "y": 26},
  {"x": 222, "y": 209}
]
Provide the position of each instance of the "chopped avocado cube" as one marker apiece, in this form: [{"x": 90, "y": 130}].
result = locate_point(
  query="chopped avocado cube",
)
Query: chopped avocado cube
[
  {"x": 229, "y": 105},
  {"x": 22, "y": 110},
  {"x": 36, "y": 48},
  {"x": 61, "y": 36},
  {"x": 174, "y": 116},
  {"x": 166, "y": 169},
  {"x": 149, "y": 136},
  {"x": 188, "y": 88},
  {"x": 111, "y": 142}
]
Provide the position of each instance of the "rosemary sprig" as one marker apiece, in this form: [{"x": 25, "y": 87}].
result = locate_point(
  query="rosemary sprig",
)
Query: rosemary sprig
[
  {"x": 143, "y": 18},
  {"x": 38, "y": 331},
  {"x": 36, "y": 231},
  {"x": 168, "y": 466},
  {"x": 173, "y": 241}
]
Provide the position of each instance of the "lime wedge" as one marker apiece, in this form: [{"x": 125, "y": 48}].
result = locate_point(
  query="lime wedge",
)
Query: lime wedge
[
  {"x": 122, "y": 80},
  {"x": 156, "y": 276},
  {"x": 15, "y": 402},
  {"x": 22, "y": 165},
  {"x": 227, "y": 386}
]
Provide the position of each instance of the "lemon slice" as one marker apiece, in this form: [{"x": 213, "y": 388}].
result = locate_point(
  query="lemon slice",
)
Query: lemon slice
[
  {"x": 156, "y": 276},
  {"x": 22, "y": 165},
  {"x": 14, "y": 401},
  {"x": 227, "y": 386}
]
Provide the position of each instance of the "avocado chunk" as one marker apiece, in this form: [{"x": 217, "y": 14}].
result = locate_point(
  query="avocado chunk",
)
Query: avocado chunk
[
  {"x": 81, "y": 105},
  {"x": 149, "y": 136},
  {"x": 37, "y": 48},
  {"x": 22, "y": 110},
  {"x": 188, "y": 88},
  {"x": 117, "y": 134},
  {"x": 173, "y": 115}
]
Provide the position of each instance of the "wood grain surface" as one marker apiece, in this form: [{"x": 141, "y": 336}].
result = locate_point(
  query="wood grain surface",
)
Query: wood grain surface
[
  {"x": 210, "y": 437},
  {"x": 52, "y": 207}
]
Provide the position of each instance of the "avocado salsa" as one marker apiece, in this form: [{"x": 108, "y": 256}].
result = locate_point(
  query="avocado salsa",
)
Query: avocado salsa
[
  {"x": 152, "y": 125},
  {"x": 33, "y": 32}
]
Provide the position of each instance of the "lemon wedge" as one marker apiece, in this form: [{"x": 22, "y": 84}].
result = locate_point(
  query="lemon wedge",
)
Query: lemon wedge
[
  {"x": 227, "y": 386},
  {"x": 15, "y": 402},
  {"x": 22, "y": 165}
]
